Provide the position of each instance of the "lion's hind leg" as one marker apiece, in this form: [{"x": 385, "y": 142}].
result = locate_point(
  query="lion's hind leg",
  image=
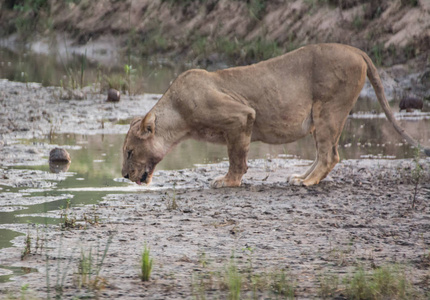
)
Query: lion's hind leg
[
  {"x": 328, "y": 128},
  {"x": 297, "y": 179}
]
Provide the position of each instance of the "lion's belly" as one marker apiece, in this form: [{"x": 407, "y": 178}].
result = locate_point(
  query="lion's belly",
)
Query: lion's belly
[{"x": 282, "y": 130}]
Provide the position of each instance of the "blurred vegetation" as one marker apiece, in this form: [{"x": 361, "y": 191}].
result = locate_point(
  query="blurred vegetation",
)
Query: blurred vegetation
[{"x": 31, "y": 17}]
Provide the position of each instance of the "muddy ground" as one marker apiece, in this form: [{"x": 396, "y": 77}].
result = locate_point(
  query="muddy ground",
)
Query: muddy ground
[{"x": 363, "y": 214}]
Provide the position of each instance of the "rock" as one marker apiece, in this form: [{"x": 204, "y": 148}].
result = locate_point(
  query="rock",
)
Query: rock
[
  {"x": 59, "y": 155},
  {"x": 59, "y": 160},
  {"x": 410, "y": 103},
  {"x": 113, "y": 96}
]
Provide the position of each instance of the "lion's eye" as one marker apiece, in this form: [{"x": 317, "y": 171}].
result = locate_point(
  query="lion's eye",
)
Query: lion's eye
[{"x": 129, "y": 154}]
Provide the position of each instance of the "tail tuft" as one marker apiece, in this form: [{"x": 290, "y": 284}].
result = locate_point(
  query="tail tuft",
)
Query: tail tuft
[{"x": 427, "y": 151}]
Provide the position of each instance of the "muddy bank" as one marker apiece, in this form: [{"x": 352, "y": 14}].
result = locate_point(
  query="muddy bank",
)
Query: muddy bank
[
  {"x": 360, "y": 216},
  {"x": 32, "y": 111}
]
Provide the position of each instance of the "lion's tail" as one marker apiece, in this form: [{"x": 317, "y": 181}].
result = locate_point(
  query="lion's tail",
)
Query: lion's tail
[{"x": 376, "y": 82}]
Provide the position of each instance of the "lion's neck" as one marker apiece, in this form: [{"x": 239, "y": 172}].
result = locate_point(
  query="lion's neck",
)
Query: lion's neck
[{"x": 170, "y": 128}]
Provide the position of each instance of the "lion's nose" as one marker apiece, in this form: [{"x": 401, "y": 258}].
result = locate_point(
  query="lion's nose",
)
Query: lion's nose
[{"x": 126, "y": 176}]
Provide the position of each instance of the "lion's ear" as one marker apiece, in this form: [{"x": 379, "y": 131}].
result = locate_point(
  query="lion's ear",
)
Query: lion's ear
[{"x": 147, "y": 126}]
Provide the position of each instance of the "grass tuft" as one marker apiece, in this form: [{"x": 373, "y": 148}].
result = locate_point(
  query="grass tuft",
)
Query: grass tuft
[
  {"x": 145, "y": 264},
  {"x": 387, "y": 282},
  {"x": 233, "y": 280}
]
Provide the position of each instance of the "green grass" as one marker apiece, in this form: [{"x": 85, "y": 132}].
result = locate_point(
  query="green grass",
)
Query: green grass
[
  {"x": 329, "y": 285},
  {"x": 377, "y": 54},
  {"x": 257, "y": 8},
  {"x": 89, "y": 268},
  {"x": 171, "y": 200},
  {"x": 233, "y": 280},
  {"x": 417, "y": 173},
  {"x": 145, "y": 264},
  {"x": 27, "y": 247},
  {"x": 32, "y": 14},
  {"x": 237, "y": 279},
  {"x": 387, "y": 282},
  {"x": 68, "y": 220},
  {"x": 282, "y": 285}
]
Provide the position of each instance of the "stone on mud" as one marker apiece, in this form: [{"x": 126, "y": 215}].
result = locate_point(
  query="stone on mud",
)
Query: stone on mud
[{"x": 113, "y": 96}]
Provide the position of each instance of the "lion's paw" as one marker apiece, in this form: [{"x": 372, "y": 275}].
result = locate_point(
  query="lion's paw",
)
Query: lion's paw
[
  {"x": 221, "y": 182},
  {"x": 296, "y": 180}
]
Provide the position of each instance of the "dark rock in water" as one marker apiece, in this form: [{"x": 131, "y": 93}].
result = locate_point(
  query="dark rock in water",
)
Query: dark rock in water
[
  {"x": 410, "y": 103},
  {"x": 113, "y": 96},
  {"x": 59, "y": 155},
  {"x": 59, "y": 166}
]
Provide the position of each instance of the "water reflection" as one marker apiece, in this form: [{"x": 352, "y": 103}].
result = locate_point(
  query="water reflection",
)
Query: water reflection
[
  {"x": 58, "y": 166},
  {"x": 53, "y": 70}
]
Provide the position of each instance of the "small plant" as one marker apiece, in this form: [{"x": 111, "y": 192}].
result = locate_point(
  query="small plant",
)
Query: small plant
[
  {"x": 417, "y": 173},
  {"x": 377, "y": 52},
  {"x": 27, "y": 248},
  {"x": 257, "y": 8},
  {"x": 233, "y": 280},
  {"x": 94, "y": 219},
  {"x": 203, "y": 260},
  {"x": 198, "y": 286},
  {"x": 60, "y": 278},
  {"x": 282, "y": 285},
  {"x": 83, "y": 66},
  {"x": 145, "y": 264},
  {"x": 68, "y": 221},
  {"x": 75, "y": 70},
  {"x": 358, "y": 22},
  {"x": 116, "y": 82},
  {"x": 89, "y": 268},
  {"x": 172, "y": 204},
  {"x": 388, "y": 282},
  {"x": 38, "y": 240},
  {"x": 339, "y": 256},
  {"x": 85, "y": 268},
  {"x": 329, "y": 285},
  {"x": 130, "y": 77}
]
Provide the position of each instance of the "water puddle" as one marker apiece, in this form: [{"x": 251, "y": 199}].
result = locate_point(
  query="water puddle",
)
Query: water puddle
[{"x": 13, "y": 271}]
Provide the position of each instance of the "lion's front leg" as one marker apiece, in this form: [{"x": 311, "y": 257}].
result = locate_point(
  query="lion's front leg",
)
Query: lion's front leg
[
  {"x": 237, "y": 153},
  {"x": 238, "y": 139}
]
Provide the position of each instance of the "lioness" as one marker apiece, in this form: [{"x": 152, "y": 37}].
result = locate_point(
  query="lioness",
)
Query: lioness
[{"x": 309, "y": 90}]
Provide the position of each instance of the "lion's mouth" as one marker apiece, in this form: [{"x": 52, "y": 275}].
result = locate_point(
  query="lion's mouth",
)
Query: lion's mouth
[{"x": 143, "y": 178}]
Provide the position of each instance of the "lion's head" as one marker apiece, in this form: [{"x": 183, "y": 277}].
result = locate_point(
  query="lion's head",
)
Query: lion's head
[{"x": 141, "y": 152}]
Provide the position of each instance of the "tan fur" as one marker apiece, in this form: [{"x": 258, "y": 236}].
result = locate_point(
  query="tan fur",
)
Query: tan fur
[{"x": 307, "y": 91}]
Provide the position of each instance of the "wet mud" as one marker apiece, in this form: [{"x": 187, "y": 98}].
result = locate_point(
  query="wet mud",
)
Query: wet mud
[{"x": 368, "y": 212}]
